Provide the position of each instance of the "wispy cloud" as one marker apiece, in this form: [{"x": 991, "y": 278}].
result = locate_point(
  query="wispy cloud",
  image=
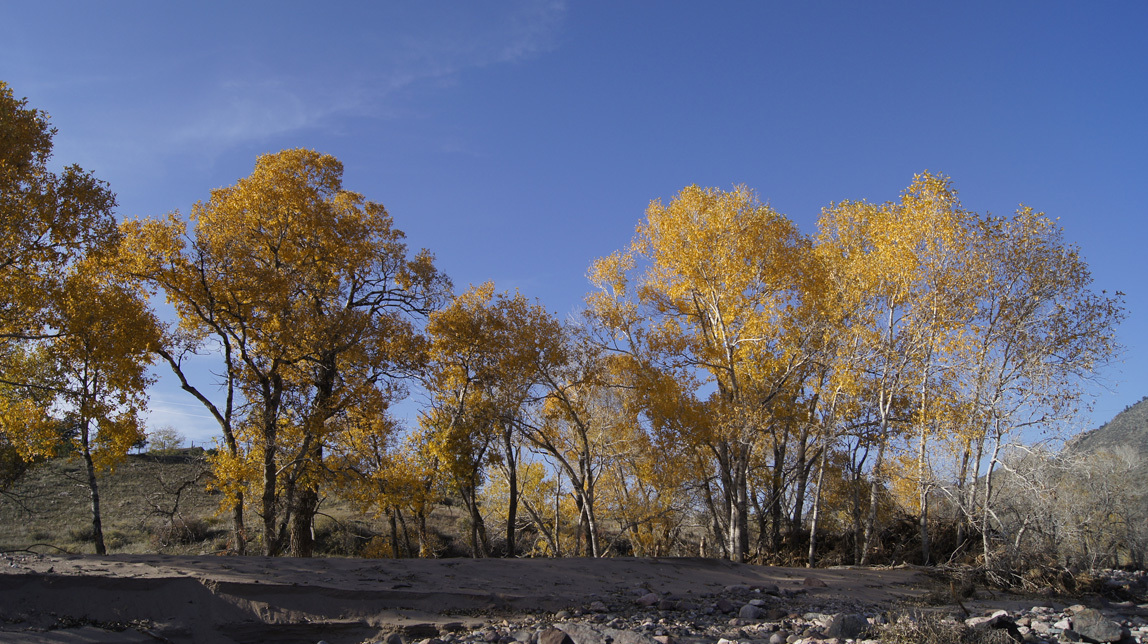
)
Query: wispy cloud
[
  {"x": 267, "y": 98},
  {"x": 135, "y": 111}
]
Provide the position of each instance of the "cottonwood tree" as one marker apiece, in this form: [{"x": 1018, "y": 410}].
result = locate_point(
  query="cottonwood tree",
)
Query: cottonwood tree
[
  {"x": 707, "y": 290},
  {"x": 577, "y": 427},
  {"x": 99, "y": 362},
  {"x": 489, "y": 353},
  {"x": 74, "y": 340},
  {"x": 1039, "y": 335},
  {"x": 307, "y": 294},
  {"x": 900, "y": 267}
]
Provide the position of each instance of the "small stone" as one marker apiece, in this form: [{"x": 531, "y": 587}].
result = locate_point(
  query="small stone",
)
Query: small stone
[
  {"x": 598, "y": 607},
  {"x": 667, "y": 604},
  {"x": 395, "y": 638},
  {"x": 649, "y": 599},
  {"x": 814, "y": 582},
  {"x": 846, "y": 626},
  {"x": 757, "y": 602},
  {"x": 774, "y": 614},
  {"x": 724, "y": 605},
  {"x": 749, "y": 611},
  {"x": 665, "y": 639}
]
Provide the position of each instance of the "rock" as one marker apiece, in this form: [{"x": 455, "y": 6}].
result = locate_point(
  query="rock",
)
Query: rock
[
  {"x": 774, "y": 614},
  {"x": 598, "y": 607},
  {"x": 990, "y": 621},
  {"x": 737, "y": 588},
  {"x": 1091, "y": 624},
  {"x": 749, "y": 611},
  {"x": 757, "y": 602},
  {"x": 778, "y": 637},
  {"x": 665, "y": 639},
  {"x": 554, "y": 636},
  {"x": 724, "y": 605},
  {"x": 667, "y": 604},
  {"x": 1068, "y": 636},
  {"x": 846, "y": 626},
  {"x": 395, "y": 638},
  {"x": 583, "y": 634},
  {"x": 814, "y": 582},
  {"x": 649, "y": 599},
  {"x": 452, "y": 627}
]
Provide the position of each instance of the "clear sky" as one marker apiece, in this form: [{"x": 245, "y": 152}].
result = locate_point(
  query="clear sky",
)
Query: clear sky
[{"x": 520, "y": 140}]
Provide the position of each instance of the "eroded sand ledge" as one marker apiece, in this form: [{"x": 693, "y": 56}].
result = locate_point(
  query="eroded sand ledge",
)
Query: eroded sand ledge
[{"x": 255, "y": 599}]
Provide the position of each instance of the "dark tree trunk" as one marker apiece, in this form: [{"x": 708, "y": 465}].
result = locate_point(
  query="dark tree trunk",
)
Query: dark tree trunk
[
  {"x": 94, "y": 492},
  {"x": 512, "y": 482}
]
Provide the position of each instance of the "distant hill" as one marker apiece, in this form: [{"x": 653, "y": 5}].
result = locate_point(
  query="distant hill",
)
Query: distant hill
[{"x": 1128, "y": 432}]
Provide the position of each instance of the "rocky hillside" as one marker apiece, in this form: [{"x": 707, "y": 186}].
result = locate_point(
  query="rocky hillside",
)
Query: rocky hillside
[{"x": 1125, "y": 435}]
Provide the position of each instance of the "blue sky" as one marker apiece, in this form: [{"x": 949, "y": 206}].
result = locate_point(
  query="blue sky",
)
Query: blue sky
[{"x": 520, "y": 140}]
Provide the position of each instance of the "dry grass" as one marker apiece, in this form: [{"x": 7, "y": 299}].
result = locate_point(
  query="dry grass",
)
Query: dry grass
[
  {"x": 932, "y": 628},
  {"x": 159, "y": 502},
  {"x": 49, "y": 509}
]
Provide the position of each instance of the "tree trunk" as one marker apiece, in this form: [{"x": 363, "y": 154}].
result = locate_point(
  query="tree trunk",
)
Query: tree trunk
[
  {"x": 922, "y": 473},
  {"x": 874, "y": 499},
  {"x": 988, "y": 496},
  {"x": 963, "y": 508},
  {"x": 94, "y": 491},
  {"x": 272, "y": 390},
  {"x": 817, "y": 509},
  {"x": 303, "y": 522},
  {"x": 738, "y": 525},
  {"x": 802, "y": 482},
  {"x": 477, "y": 528},
  {"x": 394, "y": 532},
  {"x": 512, "y": 483}
]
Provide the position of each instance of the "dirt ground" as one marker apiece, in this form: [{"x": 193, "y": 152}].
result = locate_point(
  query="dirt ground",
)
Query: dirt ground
[{"x": 149, "y": 598}]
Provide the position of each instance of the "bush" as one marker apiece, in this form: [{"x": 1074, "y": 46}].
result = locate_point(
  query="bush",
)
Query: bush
[
  {"x": 83, "y": 534},
  {"x": 181, "y": 531},
  {"x": 931, "y": 628},
  {"x": 339, "y": 538}
]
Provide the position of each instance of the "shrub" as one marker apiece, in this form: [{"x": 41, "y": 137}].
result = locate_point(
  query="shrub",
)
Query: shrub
[
  {"x": 931, "y": 628},
  {"x": 180, "y": 531}
]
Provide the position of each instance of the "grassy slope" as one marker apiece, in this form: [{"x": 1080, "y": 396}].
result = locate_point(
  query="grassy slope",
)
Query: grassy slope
[
  {"x": 50, "y": 504},
  {"x": 48, "y": 510}
]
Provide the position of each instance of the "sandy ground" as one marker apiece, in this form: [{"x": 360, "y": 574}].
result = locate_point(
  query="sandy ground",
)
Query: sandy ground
[{"x": 248, "y": 600}]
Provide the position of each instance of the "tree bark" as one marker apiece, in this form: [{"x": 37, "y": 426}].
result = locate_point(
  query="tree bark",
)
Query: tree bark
[
  {"x": 512, "y": 483},
  {"x": 93, "y": 490},
  {"x": 874, "y": 500}
]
